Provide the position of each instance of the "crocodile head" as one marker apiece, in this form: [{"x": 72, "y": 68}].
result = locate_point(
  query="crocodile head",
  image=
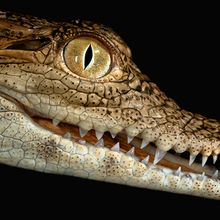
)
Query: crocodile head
[{"x": 75, "y": 86}]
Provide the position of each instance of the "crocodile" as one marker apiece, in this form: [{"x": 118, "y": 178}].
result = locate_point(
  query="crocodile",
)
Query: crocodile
[{"x": 72, "y": 102}]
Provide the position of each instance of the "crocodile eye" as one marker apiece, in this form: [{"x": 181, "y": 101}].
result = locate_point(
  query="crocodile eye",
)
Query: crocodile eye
[{"x": 87, "y": 57}]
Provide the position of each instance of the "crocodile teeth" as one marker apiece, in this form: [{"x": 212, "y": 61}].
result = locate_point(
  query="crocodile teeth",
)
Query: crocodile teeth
[
  {"x": 145, "y": 160},
  {"x": 99, "y": 134},
  {"x": 100, "y": 143},
  {"x": 178, "y": 171},
  {"x": 191, "y": 159},
  {"x": 130, "y": 139},
  {"x": 215, "y": 157},
  {"x": 204, "y": 160},
  {"x": 67, "y": 136},
  {"x": 201, "y": 177},
  {"x": 144, "y": 143},
  {"x": 55, "y": 121},
  {"x": 113, "y": 135},
  {"x": 215, "y": 175},
  {"x": 116, "y": 147},
  {"x": 159, "y": 155},
  {"x": 130, "y": 152},
  {"x": 82, "y": 132}
]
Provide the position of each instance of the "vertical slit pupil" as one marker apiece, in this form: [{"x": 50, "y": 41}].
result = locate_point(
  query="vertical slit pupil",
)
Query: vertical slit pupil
[{"x": 88, "y": 56}]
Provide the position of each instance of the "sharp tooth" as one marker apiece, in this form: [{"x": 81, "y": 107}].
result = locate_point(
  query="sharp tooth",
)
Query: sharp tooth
[
  {"x": 100, "y": 143},
  {"x": 130, "y": 139},
  {"x": 131, "y": 152},
  {"x": 146, "y": 160},
  {"x": 67, "y": 136},
  {"x": 215, "y": 175},
  {"x": 99, "y": 134},
  {"x": 215, "y": 157},
  {"x": 191, "y": 159},
  {"x": 83, "y": 142},
  {"x": 55, "y": 121},
  {"x": 116, "y": 147},
  {"x": 158, "y": 155},
  {"x": 82, "y": 132},
  {"x": 178, "y": 171},
  {"x": 204, "y": 160},
  {"x": 113, "y": 135},
  {"x": 144, "y": 143},
  {"x": 203, "y": 175}
]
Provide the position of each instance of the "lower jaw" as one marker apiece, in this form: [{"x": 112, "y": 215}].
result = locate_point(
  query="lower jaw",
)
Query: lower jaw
[{"x": 169, "y": 161}]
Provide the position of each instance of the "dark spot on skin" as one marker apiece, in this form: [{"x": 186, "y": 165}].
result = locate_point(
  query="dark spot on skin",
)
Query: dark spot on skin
[
  {"x": 108, "y": 112},
  {"x": 110, "y": 89},
  {"x": 102, "y": 103},
  {"x": 149, "y": 91},
  {"x": 138, "y": 88}
]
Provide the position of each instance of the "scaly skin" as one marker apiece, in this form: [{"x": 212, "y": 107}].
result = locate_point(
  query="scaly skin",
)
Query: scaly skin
[{"x": 36, "y": 81}]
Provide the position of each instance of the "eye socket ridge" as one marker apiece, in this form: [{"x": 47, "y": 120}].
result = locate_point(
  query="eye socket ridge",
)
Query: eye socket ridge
[
  {"x": 99, "y": 37},
  {"x": 87, "y": 57}
]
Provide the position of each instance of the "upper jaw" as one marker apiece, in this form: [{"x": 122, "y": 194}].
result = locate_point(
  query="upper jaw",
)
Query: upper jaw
[{"x": 141, "y": 109}]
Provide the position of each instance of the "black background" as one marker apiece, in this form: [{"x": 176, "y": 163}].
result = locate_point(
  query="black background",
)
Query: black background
[{"x": 178, "y": 47}]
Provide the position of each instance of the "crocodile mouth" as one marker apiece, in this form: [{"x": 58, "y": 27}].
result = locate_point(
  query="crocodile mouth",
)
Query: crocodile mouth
[{"x": 148, "y": 154}]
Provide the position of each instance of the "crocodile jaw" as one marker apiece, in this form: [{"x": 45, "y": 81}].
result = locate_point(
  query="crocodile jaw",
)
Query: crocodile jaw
[{"x": 60, "y": 155}]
